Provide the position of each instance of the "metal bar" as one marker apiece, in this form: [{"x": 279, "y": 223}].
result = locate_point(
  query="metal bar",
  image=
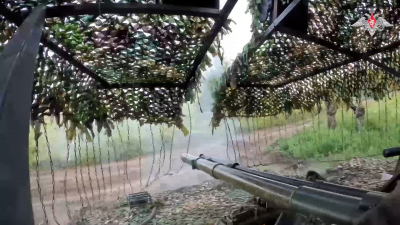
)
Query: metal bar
[
  {"x": 219, "y": 23},
  {"x": 397, "y": 169},
  {"x": 319, "y": 41},
  {"x": 258, "y": 41},
  {"x": 17, "y": 63},
  {"x": 327, "y": 205},
  {"x": 145, "y": 85},
  {"x": 332, "y": 207},
  {"x": 388, "y": 69},
  {"x": 336, "y": 48},
  {"x": 301, "y": 77},
  {"x": 126, "y": 8},
  {"x": 273, "y": 27},
  {"x": 278, "y": 194},
  {"x": 66, "y": 56},
  {"x": 17, "y": 19},
  {"x": 389, "y": 47},
  {"x": 295, "y": 182},
  {"x": 275, "y": 11},
  {"x": 286, "y": 218}
]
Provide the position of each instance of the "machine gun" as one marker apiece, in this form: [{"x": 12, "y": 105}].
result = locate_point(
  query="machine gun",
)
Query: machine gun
[{"x": 293, "y": 201}]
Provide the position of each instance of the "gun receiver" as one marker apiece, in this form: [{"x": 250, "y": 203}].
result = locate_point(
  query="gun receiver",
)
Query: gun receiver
[{"x": 329, "y": 202}]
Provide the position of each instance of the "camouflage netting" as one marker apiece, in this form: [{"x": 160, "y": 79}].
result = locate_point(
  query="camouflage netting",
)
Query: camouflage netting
[
  {"x": 287, "y": 73},
  {"x": 134, "y": 48}
]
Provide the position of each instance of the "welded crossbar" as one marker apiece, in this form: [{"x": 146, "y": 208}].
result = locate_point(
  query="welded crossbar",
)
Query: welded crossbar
[
  {"x": 219, "y": 23},
  {"x": 258, "y": 41},
  {"x": 126, "y": 8},
  {"x": 348, "y": 52},
  {"x": 277, "y": 25},
  {"x": 390, "y": 47},
  {"x": 17, "y": 63}
]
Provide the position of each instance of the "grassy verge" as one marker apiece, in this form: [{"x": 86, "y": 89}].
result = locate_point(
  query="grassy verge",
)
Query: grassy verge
[
  {"x": 380, "y": 131},
  {"x": 117, "y": 150},
  {"x": 125, "y": 149},
  {"x": 267, "y": 122},
  {"x": 122, "y": 152}
]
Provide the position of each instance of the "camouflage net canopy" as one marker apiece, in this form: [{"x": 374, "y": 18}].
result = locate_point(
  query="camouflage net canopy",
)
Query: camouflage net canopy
[
  {"x": 288, "y": 70},
  {"x": 110, "y": 67}
]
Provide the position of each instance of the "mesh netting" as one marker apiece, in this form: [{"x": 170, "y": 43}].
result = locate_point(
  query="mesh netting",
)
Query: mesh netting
[
  {"x": 144, "y": 64},
  {"x": 287, "y": 72},
  {"x": 134, "y": 48}
]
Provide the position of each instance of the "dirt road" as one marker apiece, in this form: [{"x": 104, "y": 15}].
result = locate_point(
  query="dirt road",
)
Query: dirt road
[{"x": 83, "y": 186}]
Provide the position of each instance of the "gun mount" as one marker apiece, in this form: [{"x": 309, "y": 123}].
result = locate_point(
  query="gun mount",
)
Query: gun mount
[{"x": 331, "y": 203}]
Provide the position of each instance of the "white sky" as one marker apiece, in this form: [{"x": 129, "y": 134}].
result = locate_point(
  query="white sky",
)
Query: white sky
[
  {"x": 234, "y": 42},
  {"x": 241, "y": 33}
]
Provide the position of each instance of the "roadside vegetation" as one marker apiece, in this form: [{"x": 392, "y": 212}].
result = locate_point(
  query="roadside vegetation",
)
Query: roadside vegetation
[
  {"x": 380, "y": 131},
  {"x": 124, "y": 149},
  {"x": 316, "y": 141},
  {"x": 313, "y": 141}
]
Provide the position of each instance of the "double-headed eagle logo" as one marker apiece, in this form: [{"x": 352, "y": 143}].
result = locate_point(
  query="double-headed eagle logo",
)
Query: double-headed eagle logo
[{"x": 373, "y": 24}]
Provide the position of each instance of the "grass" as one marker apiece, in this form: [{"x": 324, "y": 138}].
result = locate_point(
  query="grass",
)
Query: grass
[
  {"x": 122, "y": 152},
  {"x": 267, "y": 122},
  {"x": 125, "y": 149},
  {"x": 380, "y": 131}
]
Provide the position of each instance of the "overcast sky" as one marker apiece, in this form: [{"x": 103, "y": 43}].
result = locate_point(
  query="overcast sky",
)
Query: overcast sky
[
  {"x": 234, "y": 42},
  {"x": 241, "y": 34}
]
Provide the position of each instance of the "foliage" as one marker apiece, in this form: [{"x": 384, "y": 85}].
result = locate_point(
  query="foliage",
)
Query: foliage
[
  {"x": 380, "y": 131},
  {"x": 123, "y": 150},
  {"x": 134, "y": 48}
]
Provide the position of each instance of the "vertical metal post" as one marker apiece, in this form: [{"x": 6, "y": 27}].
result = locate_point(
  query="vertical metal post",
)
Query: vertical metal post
[
  {"x": 275, "y": 11},
  {"x": 17, "y": 64},
  {"x": 397, "y": 169}
]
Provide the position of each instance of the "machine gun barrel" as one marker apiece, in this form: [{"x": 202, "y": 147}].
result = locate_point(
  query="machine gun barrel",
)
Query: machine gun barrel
[
  {"x": 332, "y": 207},
  {"x": 295, "y": 182},
  {"x": 278, "y": 193}
]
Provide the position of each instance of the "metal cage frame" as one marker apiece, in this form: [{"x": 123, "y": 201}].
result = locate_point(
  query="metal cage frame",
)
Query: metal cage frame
[{"x": 17, "y": 63}]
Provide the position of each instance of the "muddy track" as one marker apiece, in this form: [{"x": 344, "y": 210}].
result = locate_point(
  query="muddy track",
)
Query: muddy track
[{"x": 117, "y": 185}]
